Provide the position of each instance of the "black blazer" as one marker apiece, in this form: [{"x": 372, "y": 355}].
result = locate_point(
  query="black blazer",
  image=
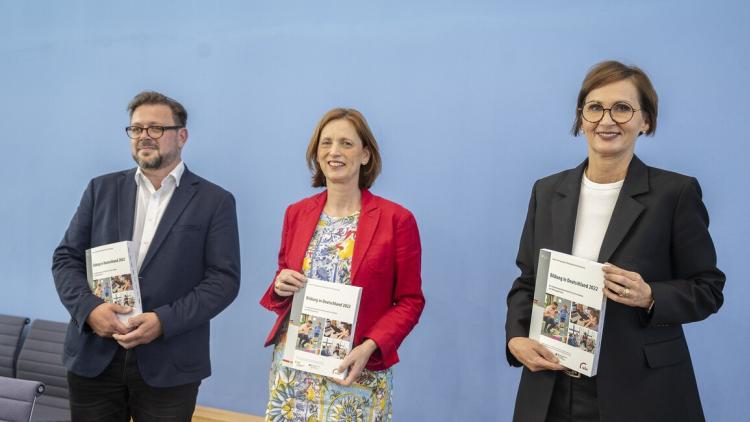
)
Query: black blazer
[
  {"x": 659, "y": 228},
  {"x": 190, "y": 273}
]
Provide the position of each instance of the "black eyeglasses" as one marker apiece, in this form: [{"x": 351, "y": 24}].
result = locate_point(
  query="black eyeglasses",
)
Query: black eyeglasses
[
  {"x": 154, "y": 132},
  {"x": 593, "y": 112}
]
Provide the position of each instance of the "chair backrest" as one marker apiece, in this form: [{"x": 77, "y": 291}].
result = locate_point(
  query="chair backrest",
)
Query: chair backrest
[
  {"x": 40, "y": 359},
  {"x": 17, "y": 398},
  {"x": 11, "y": 328}
]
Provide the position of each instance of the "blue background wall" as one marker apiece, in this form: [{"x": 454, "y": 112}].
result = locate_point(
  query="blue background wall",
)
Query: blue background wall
[{"x": 470, "y": 103}]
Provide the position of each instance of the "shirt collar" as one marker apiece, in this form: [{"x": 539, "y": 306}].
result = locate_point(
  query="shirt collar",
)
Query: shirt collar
[{"x": 175, "y": 174}]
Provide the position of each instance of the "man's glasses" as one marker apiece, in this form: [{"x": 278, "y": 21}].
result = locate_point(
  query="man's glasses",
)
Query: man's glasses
[
  {"x": 154, "y": 132},
  {"x": 593, "y": 112}
]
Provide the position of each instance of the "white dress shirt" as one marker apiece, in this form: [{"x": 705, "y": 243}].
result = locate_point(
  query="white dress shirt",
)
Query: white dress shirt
[
  {"x": 150, "y": 204},
  {"x": 595, "y": 206}
]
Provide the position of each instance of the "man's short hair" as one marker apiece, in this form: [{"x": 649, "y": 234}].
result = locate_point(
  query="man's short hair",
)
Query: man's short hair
[{"x": 179, "y": 114}]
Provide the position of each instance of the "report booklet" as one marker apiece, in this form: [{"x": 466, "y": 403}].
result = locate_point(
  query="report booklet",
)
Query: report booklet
[
  {"x": 321, "y": 327},
  {"x": 568, "y": 312},
  {"x": 113, "y": 276}
]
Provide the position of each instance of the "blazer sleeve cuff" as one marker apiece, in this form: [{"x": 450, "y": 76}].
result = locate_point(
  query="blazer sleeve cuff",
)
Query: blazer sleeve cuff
[
  {"x": 512, "y": 361},
  {"x": 88, "y": 302},
  {"x": 385, "y": 355},
  {"x": 274, "y": 302},
  {"x": 167, "y": 320},
  {"x": 513, "y": 333}
]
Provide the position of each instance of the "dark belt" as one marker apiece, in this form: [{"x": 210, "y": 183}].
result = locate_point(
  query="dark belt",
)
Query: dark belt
[{"x": 571, "y": 373}]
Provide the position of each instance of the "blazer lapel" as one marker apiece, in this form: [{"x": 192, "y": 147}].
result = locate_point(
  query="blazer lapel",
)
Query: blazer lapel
[
  {"x": 180, "y": 198},
  {"x": 126, "y": 190},
  {"x": 627, "y": 209},
  {"x": 368, "y": 222},
  {"x": 304, "y": 230},
  {"x": 565, "y": 209}
]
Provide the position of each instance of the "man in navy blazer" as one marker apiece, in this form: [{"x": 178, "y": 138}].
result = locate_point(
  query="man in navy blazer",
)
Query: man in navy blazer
[{"x": 184, "y": 229}]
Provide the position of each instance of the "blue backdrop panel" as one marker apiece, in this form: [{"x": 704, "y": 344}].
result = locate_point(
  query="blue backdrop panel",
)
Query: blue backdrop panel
[{"x": 470, "y": 102}]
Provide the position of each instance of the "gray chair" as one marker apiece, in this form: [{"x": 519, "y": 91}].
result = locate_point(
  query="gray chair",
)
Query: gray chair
[
  {"x": 40, "y": 359},
  {"x": 11, "y": 328},
  {"x": 17, "y": 398}
]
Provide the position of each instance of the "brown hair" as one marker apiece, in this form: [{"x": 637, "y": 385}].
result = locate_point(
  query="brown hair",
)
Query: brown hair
[
  {"x": 179, "y": 114},
  {"x": 607, "y": 72},
  {"x": 370, "y": 171}
]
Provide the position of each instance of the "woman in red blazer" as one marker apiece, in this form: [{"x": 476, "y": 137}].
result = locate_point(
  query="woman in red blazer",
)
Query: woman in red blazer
[{"x": 345, "y": 234}]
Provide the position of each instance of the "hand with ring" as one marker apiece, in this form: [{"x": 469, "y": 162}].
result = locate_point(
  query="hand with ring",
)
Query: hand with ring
[
  {"x": 288, "y": 282},
  {"x": 626, "y": 287}
]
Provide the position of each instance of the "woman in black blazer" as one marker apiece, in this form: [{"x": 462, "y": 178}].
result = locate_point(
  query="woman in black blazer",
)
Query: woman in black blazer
[{"x": 651, "y": 227}]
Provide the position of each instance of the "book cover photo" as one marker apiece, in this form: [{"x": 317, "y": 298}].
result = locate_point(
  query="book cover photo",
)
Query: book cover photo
[
  {"x": 113, "y": 276},
  {"x": 568, "y": 311},
  {"x": 321, "y": 327}
]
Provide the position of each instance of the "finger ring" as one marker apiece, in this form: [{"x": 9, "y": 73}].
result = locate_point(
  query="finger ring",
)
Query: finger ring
[
  {"x": 626, "y": 293},
  {"x": 621, "y": 293}
]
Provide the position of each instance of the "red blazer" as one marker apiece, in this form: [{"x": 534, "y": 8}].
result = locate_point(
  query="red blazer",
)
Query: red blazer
[{"x": 386, "y": 264}]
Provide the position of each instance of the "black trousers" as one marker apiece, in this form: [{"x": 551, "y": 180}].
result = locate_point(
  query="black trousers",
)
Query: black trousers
[
  {"x": 120, "y": 393},
  {"x": 573, "y": 400}
]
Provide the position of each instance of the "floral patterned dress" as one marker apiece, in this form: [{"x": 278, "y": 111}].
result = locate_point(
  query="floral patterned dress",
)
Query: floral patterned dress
[{"x": 298, "y": 396}]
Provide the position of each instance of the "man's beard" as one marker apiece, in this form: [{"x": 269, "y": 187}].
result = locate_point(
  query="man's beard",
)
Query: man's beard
[{"x": 152, "y": 163}]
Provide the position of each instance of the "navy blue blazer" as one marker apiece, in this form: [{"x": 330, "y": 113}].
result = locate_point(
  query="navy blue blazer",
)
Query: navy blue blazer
[
  {"x": 659, "y": 229},
  {"x": 190, "y": 273}
]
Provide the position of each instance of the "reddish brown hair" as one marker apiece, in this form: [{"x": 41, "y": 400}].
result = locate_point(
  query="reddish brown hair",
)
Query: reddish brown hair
[
  {"x": 368, "y": 172},
  {"x": 611, "y": 71}
]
